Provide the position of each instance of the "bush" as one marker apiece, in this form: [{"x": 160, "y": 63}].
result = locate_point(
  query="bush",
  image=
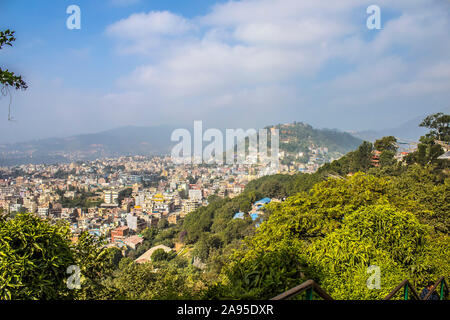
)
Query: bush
[{"x": 34, "y": 256}]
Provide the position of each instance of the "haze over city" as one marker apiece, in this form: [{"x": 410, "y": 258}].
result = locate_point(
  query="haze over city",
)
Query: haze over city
[{"x": 228, "y": 63}]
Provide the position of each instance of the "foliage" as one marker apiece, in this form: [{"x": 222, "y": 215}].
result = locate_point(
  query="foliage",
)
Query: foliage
[
  {"x": 163, "y": 223},
  {"x": 81, "y": 200},
  {"x": 358, "y": 160},
  {"x": 34, "y": 256},
  {"x": 207, "y": 243},
  {"x": 156, "y": 281},
  {"x": 386, "y": 144},
  {"x": 439, "y": 123},
  {"x": 161, "y": 255},
  {"x": 302, "y": 135},
  {"x": 331, "y": 226},
  {"x": 95, "y": 264},
  {"x": 262, "y": 274},
  {"x": 8, "y": 78},
  {"x": 427, "y": 153},
  {"x": 332, "y": 234},
  {"x": 126, "y": 193},
  {"x": 377, "y": 235},
  {"x": 429, "y": 148},
  {"x": 427, "y": 193}
]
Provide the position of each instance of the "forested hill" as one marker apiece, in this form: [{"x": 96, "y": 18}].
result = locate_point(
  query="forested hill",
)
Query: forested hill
[
  {"x": 295, "y": 138},
  {"x": 300, "y": 137}
]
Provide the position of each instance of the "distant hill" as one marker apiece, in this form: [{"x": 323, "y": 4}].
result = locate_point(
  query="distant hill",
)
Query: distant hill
[
  {"x": 408, "y": 130},
  {"x": 117, "y": 142},
  {"x": 297, "y": 137},
  {"x": 301, "y": 142}
]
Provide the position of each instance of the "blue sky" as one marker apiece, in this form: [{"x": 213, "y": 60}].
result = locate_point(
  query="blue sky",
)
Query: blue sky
[
  {"x": 247, "y": 63},
  {"x": 44, "y": 40}
]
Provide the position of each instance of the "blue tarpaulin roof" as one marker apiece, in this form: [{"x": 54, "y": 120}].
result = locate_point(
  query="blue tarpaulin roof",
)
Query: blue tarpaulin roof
[
  {"x": 94, "y": 232},
  {"x": 239, "y": 215},
  {"x": 263, "y": 201}
]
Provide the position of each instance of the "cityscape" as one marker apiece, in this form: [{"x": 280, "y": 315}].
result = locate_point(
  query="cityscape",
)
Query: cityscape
[
  {"x": 216, "y": 158},
  {"x": 135, "y": 192}
]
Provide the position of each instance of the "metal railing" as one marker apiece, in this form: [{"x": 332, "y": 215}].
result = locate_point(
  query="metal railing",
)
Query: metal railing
[
  {"x": 407, "y": 287},
  {"x": 441, "y": 291},
  {"x": 409, "y": 291},
  {"x": 308, "y": 286}
]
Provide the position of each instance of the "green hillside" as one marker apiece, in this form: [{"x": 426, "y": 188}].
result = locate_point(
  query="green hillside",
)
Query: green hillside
[
  {"x": 300, "y": 143},
  {"x": 329, "y": 226},
  {"x": 298, "y": 137}
]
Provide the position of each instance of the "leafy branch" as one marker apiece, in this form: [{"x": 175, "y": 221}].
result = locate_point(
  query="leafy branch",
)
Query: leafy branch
[{"x": 8, "y": 78}]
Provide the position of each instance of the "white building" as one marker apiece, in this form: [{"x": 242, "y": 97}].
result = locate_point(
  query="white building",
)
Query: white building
[
  {"x": 111, "y": 197},
  {"x": 195, "y": 195},
  {"x": 132, "y": 222},
  {"x": 43, "y": 212}
]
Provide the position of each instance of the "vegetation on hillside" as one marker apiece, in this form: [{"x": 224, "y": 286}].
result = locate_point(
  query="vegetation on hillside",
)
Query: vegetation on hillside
[{"x": 329, "y": 226}]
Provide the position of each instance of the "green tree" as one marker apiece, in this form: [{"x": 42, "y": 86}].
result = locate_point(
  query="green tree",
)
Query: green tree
[
  {"x": 192, "y": 180},
  {"x": 162, "y": 280},
  {"x": 428, "y": 149},
  {"x": 439, "y": 123},
  {"x": 207, "y": 244},
  {"x": 96, "y": 264},
  {"x": 379, "y": 235},
  {"x": 162, "y": 255},
  {"x": 332, "y": 233},
  {"x": 34, "y": 259},
  {"x": 8, "y": 78},
  {"x": 126, "y": 193},
  {"x": 163, "y": 223},
  {"x": 115, "y": 256},
  {"x": 427, "y": 152},
  {"x": 386, "y": 144},
  {"x": 387, "y": 158},
  {"x": 362, "y": 157},
  {"x": 149, "y": 234},
  {"x": 34, "y": 256}
]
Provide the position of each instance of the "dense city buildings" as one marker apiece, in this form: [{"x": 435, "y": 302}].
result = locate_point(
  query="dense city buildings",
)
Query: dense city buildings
[{"x": 118, "y": 198}]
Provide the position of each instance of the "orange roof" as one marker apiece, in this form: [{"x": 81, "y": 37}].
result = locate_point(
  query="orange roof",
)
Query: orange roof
[{"x": 122, "y": 228}]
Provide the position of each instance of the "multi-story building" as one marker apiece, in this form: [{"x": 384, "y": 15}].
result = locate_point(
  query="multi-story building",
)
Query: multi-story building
[
  {"x": 43, "y": 212},
  {"x": 195, "y": 194},
  {"x": 190, "y": 206},
  {"x": 119, "y": 234},
  {"x": 111, "y": 197}
]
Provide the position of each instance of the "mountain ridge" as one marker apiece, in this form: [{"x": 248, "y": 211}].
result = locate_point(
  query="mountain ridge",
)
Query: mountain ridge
[
  {"x": 135, "y": 140},
  {"x": 408, "y": 130}
]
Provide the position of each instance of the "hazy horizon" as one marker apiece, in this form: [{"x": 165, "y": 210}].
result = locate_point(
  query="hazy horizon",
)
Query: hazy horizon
[{"x": 189, "y": 127}]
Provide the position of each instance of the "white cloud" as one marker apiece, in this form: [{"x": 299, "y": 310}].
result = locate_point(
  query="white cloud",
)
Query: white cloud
[
  {"x": 142, "y": 32},
  {"x": 250, "y": 63},
  {"x": 140, "y": 25},
  {"x": 232, "y": 56}
]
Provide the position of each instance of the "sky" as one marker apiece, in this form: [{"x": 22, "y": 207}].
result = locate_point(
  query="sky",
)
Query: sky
[{"x": 231, "y": 64}]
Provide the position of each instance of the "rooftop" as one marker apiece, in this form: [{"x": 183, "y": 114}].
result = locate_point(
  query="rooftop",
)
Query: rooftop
[
  {"x": 146, "y": 257},
  {"x": 445, "y": 156}
]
